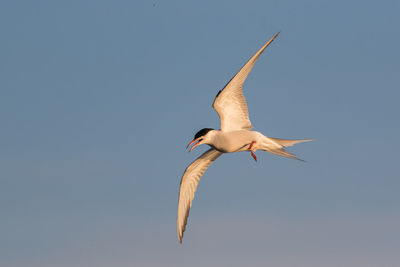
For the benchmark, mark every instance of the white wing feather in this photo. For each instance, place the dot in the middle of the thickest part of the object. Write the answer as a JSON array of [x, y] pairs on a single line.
[[230, 103], [189, 182]]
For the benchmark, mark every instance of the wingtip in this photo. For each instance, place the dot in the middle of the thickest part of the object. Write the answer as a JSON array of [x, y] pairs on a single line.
[[302, 160], [180, 235], [276, 35], [271, 40]]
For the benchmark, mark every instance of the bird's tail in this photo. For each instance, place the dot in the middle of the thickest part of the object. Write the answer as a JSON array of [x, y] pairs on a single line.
[[277, 146], [289, 142]]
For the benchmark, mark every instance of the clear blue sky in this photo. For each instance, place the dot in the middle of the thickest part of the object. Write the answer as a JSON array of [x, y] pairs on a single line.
[[98, 100]]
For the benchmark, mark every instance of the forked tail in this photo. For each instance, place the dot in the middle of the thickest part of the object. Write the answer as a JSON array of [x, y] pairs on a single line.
[[277, 146], [289, 142]]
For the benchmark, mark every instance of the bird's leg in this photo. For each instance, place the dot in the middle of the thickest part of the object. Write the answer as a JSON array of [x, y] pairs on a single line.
[[252, 153]]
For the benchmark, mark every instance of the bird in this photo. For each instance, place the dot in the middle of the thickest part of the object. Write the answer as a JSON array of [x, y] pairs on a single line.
[[234, 135]]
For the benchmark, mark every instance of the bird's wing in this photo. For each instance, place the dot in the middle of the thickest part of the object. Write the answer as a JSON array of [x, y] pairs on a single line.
[[189, 182], [230, 103]]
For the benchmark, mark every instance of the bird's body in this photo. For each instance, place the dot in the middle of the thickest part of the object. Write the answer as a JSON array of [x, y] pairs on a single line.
[[240, 140], [235, 135], [233, 141]]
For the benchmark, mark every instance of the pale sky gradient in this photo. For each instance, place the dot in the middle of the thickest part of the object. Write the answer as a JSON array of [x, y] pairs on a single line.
[[98, 100]]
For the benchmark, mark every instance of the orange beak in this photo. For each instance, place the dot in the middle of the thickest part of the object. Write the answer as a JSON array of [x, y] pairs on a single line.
[[198, 140]]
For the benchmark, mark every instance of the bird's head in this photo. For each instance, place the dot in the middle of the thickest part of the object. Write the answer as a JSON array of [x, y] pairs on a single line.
[[201, 137]]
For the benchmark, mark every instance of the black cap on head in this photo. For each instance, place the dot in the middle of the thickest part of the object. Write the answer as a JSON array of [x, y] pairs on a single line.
[[202, 132]]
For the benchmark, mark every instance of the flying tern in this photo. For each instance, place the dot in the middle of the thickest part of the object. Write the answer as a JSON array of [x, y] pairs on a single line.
[[235, 135]]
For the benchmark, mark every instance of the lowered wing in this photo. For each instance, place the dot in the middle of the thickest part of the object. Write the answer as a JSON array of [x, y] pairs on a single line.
[[189, 182]]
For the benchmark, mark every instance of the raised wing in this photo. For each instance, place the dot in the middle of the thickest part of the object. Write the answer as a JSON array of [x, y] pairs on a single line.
[[189, 182], [230, 103]]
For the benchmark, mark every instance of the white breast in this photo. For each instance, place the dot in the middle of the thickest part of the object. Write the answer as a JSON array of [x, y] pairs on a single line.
[[234, 141]]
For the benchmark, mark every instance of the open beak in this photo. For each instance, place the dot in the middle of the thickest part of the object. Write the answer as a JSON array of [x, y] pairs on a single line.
[[198, 140]]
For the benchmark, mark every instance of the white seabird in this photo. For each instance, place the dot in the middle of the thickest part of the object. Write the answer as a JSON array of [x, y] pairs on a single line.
[[235, 135]]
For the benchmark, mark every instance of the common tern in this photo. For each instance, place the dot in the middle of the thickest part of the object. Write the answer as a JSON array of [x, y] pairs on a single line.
[[235, 135]]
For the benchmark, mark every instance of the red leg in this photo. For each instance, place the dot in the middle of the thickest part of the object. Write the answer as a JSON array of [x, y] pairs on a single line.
[[251, 145], [252, 153]]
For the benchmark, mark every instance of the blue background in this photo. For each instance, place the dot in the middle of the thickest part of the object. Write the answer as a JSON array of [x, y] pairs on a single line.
[[98, 100]]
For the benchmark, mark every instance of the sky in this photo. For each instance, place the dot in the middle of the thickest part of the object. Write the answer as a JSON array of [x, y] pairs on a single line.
[[98, 100]]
